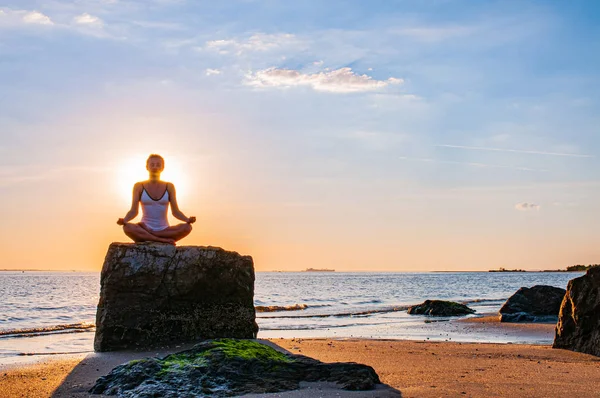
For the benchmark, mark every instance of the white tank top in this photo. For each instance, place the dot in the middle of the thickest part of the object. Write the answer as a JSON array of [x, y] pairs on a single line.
[[155, 211]]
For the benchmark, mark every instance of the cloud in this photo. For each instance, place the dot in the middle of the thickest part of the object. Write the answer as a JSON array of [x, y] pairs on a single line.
[[210, 72], [36, 17], [158, 25], [471, 164], [87, 19], [259, 42], [10, 17], [19, 174], [342, 80], [435, 34], [474, 148], [377, 140], [527, 206]]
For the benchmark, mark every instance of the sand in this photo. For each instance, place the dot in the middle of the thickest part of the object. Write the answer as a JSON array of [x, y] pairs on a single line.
[[37, 380], [415, 368], [448, 369]]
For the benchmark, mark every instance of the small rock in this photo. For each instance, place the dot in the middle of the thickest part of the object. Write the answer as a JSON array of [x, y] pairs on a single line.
[[440, 308]]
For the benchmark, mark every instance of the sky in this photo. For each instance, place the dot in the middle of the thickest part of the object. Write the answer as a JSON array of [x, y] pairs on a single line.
[[430, 135]]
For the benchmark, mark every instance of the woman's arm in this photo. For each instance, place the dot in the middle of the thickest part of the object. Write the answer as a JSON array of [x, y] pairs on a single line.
[[135, 204], [178, 214]]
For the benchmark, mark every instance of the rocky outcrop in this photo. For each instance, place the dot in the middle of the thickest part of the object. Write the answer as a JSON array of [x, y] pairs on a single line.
[[154, 294], [578, 327], [225, 368], [440, 308], [538, 303]]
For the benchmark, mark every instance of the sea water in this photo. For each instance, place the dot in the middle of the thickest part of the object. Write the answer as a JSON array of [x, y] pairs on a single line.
[[46, 313]]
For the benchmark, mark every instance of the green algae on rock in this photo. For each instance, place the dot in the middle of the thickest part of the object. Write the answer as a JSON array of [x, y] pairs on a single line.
[[228, 367], [440, 308]]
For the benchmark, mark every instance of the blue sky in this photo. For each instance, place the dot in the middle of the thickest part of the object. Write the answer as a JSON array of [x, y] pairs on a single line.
[[436, 134]]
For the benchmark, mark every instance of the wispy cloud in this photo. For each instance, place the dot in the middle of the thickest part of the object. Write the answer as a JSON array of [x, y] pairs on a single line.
[[472, 164], [158, 25], [475, 148], [210, 72], [434, 33], [527, 206], [259, 42], [376, 139], [18, 175], [342, 80]]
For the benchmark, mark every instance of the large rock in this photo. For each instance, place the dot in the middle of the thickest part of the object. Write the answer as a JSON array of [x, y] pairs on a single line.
[[440, 308], [538, 303], [578, 327], [154, 294], [225, 368]]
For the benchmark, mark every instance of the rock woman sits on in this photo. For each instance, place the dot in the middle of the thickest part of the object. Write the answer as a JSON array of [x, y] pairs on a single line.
[[155, 196]]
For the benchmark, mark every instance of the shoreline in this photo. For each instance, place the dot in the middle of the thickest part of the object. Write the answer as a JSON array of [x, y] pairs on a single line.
[[415, 368], [481, 328]]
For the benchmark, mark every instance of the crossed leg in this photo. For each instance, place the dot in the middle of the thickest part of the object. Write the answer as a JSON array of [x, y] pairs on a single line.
[[175, 232], [141, 233]]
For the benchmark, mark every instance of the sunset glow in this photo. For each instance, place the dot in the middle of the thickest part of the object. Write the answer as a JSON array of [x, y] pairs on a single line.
[[133, 170], [392, 136]]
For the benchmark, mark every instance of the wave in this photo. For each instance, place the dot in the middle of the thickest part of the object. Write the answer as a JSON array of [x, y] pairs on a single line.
[[344, 314], [27, 354], [273, 308], [41, 331], [474, 301], [294, 307], [315, 327], [374, 301]]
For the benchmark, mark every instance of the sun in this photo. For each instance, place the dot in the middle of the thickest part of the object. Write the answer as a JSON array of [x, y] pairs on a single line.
[[133, 169]]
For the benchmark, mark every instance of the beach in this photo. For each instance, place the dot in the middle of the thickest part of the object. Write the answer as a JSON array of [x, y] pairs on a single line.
[[415, 368], [46, 346]]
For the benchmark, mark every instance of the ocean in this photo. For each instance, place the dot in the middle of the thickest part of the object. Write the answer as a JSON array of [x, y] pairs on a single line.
[[49, 313]]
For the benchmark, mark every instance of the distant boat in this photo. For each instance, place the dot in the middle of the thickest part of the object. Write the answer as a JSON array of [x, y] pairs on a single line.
[[319, 270]]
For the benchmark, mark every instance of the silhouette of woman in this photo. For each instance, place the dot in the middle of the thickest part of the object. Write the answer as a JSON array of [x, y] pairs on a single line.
[[155, 196]]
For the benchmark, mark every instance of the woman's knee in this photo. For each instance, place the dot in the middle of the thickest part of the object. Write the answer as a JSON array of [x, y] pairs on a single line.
[[128, 228], [187, 228]]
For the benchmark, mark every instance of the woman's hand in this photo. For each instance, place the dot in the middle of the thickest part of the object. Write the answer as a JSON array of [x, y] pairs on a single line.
[[191, 220], [121, 221]]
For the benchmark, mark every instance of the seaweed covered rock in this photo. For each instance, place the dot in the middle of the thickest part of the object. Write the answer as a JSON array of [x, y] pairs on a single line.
[[153, 293], [225, 368], [440, 308], [578, 327], [538, 303]]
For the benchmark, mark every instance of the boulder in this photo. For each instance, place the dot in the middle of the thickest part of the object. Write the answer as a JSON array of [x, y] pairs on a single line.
[[538, 303], [440, 308], [578, 327], [225, 368], [153, 294]]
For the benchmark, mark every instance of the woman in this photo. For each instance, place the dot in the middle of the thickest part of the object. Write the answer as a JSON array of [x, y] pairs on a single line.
[[155, 196]]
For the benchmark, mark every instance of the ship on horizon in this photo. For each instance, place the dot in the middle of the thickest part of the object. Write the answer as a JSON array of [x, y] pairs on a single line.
[[319, 270]]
